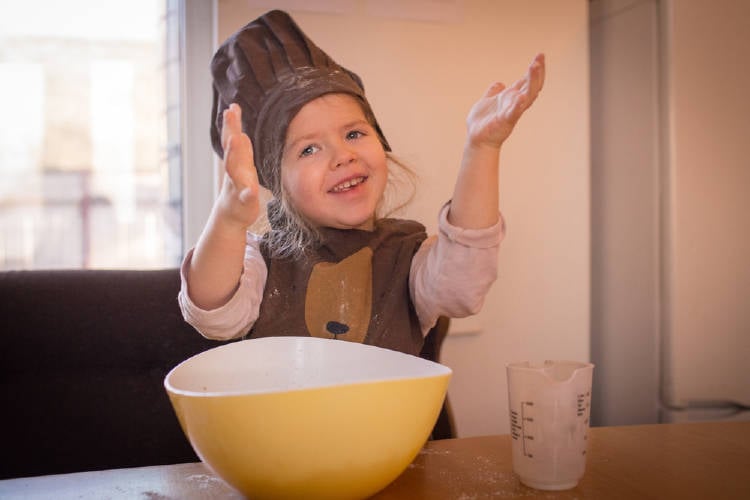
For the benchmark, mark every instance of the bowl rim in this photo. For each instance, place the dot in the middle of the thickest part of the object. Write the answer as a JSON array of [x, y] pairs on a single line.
[[441, 371]]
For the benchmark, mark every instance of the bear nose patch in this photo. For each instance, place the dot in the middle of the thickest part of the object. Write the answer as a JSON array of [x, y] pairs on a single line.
[[336, 328]]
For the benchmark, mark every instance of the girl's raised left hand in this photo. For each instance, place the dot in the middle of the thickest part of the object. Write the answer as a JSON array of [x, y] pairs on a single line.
[[492, 118]]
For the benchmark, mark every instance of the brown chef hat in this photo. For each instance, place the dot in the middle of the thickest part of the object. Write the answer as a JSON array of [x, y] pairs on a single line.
[[271, 69]]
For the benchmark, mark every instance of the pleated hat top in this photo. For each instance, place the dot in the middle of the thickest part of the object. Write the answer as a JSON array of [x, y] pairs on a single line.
[[272, 69]]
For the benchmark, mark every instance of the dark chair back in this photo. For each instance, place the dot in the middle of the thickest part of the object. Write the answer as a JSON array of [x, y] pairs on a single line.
[[433, 343], [82, 366]]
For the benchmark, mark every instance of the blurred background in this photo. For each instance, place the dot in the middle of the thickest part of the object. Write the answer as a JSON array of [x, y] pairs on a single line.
[[84, 135], [622, 188]]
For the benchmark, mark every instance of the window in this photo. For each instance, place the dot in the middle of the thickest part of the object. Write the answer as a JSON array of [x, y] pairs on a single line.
[[91, 116]]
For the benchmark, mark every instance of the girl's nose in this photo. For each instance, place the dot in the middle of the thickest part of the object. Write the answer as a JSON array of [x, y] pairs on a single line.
[[343, 155]]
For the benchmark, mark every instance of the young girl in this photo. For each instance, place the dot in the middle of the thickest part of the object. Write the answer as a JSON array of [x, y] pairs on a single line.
[[330, 266]]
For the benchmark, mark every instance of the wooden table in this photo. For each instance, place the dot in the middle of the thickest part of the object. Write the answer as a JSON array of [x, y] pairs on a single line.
[[684, 461]]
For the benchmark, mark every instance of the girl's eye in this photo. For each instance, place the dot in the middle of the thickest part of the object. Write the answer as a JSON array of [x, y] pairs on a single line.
[[354, 134], [308, 151]]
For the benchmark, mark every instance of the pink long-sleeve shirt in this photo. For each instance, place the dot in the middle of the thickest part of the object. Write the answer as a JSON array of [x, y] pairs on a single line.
[[450, 275]]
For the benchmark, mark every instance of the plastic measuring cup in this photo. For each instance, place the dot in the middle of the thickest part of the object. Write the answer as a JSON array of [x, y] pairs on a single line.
[[549, 405]]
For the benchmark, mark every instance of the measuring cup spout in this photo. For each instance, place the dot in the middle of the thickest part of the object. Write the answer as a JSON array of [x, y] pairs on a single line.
[[564, 371], [554, 371]]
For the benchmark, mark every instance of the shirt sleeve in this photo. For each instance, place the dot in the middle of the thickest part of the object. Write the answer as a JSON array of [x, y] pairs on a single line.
[[452, 271], [236, 317]]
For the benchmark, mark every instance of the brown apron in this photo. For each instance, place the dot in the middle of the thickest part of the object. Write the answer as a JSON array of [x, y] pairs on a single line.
[[354, 286]]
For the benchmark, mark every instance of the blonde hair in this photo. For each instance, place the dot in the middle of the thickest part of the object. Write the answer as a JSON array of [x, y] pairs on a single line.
[[288, 233]]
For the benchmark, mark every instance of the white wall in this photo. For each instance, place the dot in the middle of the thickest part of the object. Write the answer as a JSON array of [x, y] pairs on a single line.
[[421, 78]]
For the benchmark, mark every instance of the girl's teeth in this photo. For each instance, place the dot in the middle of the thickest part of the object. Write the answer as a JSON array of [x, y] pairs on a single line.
[[348, 184]]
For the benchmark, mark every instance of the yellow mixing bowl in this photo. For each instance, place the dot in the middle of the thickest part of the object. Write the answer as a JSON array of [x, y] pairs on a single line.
[[303, 417]]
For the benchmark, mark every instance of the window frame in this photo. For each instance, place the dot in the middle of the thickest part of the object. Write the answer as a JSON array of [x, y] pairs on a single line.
[[198, 39]]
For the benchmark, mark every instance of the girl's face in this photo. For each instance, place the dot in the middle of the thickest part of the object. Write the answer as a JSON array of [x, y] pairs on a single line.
[[334, 167]]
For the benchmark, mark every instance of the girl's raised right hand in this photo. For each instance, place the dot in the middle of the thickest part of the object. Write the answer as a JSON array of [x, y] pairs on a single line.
[[238, 200], [217, 262]]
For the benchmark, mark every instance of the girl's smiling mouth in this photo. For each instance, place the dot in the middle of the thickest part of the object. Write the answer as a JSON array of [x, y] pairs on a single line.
[[348, 184]]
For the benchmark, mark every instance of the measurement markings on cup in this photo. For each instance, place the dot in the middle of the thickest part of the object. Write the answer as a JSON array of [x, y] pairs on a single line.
[[582, 409], [582, 403], [515, 425], [524, 419]]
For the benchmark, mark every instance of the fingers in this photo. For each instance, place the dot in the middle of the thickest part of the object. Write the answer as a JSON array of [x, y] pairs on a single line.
[[530, 84], [231, 123], [519, 84], [239, 162], [527, 88], [536, 74], [246, 195], [238, 153], [494, 89]]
